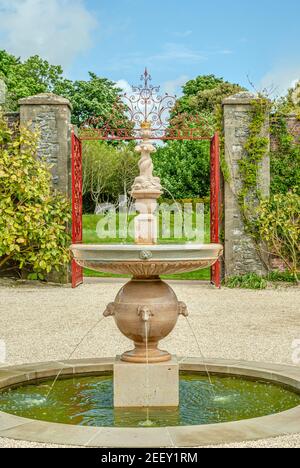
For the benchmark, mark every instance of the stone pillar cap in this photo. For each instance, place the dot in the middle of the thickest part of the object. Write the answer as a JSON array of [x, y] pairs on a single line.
[[240, 98], [49, 99]]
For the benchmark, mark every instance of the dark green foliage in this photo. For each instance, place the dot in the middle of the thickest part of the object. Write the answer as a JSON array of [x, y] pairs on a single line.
[[95, 97], [254, 281], [23, 79], [285, 159], [184, 168], [250, 281], [203, 95]]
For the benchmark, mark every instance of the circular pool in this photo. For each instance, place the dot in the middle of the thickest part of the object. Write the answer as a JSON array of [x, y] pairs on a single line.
[[88, 401]]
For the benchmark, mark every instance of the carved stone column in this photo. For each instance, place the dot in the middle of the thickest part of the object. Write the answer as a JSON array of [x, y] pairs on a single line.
[[146, 190]]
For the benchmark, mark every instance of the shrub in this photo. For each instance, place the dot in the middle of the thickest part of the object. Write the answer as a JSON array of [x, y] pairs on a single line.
[[278, 225], [285, 159], [33, 218], [250, 281], [254, 281]]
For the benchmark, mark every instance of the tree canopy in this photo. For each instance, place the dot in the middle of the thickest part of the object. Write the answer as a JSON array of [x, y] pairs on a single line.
[[95, 97], [203, 94], [184, 166], [23, 79]]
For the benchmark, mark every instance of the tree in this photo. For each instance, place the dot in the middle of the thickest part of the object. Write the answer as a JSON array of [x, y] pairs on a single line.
[[33, 218], [97, 99], [108, 171], [94, 98], [23, 79], [204, 94], [185, 166]]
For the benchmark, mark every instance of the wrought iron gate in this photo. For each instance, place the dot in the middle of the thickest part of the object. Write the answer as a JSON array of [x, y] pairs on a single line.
[[146, 105], [77, 271]]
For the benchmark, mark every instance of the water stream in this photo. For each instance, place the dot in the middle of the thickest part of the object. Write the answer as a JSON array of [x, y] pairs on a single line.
[[173, 199], [71, 355], [202, 354], [148, 422]]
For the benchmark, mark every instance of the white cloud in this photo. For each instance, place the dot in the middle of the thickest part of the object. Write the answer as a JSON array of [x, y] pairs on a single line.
[[57, 30], [172, 87], [280, 79], [173, 51], [124, 85]]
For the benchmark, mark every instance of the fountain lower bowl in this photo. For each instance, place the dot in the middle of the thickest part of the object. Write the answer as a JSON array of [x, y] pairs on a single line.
[[146, 260], [202, 434]]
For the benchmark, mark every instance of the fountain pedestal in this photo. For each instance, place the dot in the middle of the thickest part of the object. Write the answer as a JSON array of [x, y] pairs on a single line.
[[143, 385], [146, 311]]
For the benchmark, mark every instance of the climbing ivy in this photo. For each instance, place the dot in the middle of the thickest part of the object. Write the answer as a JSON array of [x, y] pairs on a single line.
[[220, 129], [256, 148], [273, 222]]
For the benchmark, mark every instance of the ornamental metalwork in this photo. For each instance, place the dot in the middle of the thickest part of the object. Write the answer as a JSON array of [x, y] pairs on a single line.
[[146, 105], [77, 271]]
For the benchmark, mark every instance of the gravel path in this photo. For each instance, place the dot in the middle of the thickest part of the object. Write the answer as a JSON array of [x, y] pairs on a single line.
[[42, 324]]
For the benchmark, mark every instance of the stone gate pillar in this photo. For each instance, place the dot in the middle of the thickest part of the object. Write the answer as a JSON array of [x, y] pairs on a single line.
[[241, 255], [51, 114], [3, 91]]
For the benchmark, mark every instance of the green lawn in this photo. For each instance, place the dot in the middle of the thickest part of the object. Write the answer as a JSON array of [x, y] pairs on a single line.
[[90, 237]]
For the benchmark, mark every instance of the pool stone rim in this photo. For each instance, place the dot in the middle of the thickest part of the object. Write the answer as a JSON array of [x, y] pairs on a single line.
[[280, 424]]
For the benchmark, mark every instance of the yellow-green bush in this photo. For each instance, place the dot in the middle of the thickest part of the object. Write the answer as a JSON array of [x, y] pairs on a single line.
[[33, 218], [278, 225]]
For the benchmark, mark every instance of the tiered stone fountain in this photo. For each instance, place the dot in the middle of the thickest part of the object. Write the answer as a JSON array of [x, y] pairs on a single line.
[[146, 309], [220, 409]]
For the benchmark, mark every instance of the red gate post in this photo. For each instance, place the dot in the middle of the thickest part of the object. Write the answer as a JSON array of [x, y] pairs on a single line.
[[215, 187], [77, 271]]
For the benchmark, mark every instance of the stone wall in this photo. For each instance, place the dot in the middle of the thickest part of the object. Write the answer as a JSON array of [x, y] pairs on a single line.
[[51, 116], [293, 124], [241, 255], [13, 120]]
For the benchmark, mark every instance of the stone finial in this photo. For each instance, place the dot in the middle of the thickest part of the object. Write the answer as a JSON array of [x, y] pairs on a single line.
[[240, 98], [46, 99], [3, 91]]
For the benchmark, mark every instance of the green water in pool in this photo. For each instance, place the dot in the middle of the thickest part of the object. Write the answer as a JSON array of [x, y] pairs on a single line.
[[88, 401]]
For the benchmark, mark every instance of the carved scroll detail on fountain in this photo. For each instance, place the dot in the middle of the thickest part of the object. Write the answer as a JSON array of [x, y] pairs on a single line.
[[147, 269]]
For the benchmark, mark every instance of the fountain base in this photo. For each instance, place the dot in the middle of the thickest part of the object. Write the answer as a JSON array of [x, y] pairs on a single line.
[[139, 354], [142, 385]]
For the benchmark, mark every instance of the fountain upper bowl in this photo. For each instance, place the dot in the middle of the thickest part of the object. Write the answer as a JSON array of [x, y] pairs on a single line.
[[146, 260]]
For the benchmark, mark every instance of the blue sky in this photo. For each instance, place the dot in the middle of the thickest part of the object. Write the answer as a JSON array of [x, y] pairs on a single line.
[[178, 40]]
